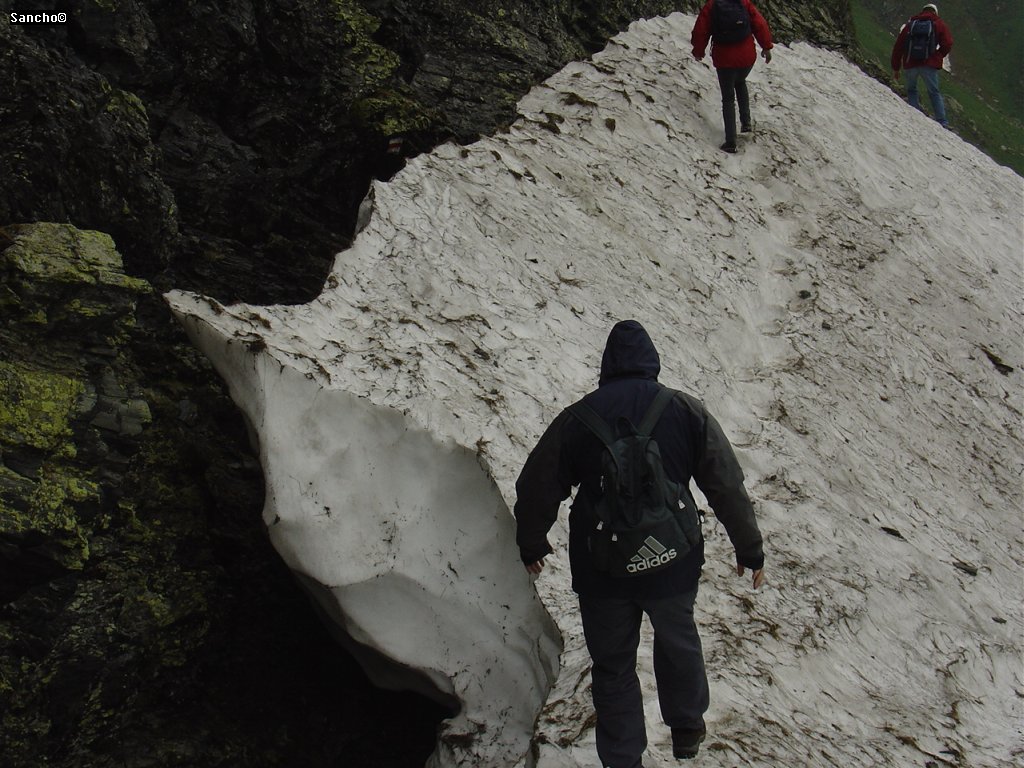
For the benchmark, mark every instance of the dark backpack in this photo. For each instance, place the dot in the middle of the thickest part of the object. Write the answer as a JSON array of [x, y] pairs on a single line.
[[730, 22], [644, 521], [920, 40]]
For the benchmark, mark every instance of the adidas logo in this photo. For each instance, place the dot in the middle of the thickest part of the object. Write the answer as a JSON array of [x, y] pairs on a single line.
[[651, 554]]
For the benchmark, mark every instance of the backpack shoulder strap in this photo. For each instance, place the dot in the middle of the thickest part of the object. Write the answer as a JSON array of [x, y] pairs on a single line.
[[592, 421], [650, 419]]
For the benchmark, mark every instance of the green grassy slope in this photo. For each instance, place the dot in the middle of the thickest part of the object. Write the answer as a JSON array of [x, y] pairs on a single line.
[[985, 91]]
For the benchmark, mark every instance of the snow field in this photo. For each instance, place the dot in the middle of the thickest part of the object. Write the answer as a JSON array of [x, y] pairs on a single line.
[[844, 294]]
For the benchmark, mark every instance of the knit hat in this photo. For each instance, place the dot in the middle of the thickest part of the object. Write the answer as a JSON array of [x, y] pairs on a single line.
[[931, 7]]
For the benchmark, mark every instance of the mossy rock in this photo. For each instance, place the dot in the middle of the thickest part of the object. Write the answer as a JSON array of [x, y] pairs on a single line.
[[41, 496], [57, 384], [61, 283], [36, 408], [60, 253]]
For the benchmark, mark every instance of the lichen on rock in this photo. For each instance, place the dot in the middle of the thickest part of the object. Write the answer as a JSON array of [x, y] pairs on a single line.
[[50, 486], [36, 408], [40, 485], [60, 253]]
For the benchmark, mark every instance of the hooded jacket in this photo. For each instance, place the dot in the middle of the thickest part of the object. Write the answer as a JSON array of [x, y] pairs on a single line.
[[692, 445], [730, 55], [943, 39]]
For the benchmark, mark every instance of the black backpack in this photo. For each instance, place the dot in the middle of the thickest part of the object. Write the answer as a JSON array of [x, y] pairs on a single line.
[[920, 40], [644, 521], [730, 22]]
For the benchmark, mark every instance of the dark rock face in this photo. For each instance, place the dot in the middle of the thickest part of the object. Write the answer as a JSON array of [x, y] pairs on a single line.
[[144, 618]]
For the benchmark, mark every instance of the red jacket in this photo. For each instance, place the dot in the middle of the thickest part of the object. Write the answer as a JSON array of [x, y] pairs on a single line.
[[942, 37], [730, 55]]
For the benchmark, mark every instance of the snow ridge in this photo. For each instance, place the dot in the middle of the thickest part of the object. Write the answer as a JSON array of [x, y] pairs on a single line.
[[844, 294]]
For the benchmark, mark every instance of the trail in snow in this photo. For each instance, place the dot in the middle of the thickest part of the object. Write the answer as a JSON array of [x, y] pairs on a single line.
[[845, 294]]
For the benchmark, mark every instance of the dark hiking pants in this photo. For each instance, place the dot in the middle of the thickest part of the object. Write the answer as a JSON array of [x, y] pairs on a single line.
[[733, 83], [612, 630]]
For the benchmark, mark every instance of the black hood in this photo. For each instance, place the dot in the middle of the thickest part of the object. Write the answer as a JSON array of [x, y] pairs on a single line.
[[629, 354]]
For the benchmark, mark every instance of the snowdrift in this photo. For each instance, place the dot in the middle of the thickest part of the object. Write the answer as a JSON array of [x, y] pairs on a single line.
[[844, 294]]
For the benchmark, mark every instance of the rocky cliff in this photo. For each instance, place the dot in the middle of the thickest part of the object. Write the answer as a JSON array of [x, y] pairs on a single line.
[[144, 620]]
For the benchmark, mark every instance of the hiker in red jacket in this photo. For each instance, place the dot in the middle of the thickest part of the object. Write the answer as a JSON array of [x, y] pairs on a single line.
[[922, 44], [732, 26]]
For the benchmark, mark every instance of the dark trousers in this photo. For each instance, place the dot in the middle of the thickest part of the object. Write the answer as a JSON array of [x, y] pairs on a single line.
[[612, 630], [733, 83]]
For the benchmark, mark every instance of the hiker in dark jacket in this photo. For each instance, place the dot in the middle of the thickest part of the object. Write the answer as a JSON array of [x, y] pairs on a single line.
[[733, 61], [692, 445], [928, 68]]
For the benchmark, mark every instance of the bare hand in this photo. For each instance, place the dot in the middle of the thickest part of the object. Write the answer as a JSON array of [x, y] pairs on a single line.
[[758, 575], [536, 568]]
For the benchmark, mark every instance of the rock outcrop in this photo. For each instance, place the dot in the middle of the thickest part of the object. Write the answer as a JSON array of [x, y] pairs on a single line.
[[67, 420]]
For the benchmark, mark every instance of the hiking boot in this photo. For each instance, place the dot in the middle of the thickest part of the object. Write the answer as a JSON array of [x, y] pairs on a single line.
[[686, 742], [746, 128], [729, 147]]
